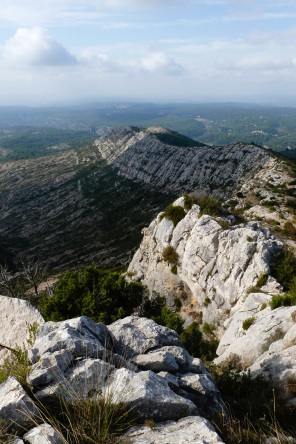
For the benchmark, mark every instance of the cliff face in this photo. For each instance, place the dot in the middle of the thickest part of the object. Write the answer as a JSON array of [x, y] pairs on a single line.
[[216, 264]]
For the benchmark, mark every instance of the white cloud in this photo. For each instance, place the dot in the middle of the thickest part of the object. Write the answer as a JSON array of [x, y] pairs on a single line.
[[160, 62], [35, 47]]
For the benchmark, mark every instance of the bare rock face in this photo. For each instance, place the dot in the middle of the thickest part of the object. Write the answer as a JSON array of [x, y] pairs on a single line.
[[266, 327], [43, 434], [215, 266], [16, 315]]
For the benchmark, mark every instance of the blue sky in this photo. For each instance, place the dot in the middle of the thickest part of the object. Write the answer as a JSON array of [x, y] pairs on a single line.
[[55, 51]]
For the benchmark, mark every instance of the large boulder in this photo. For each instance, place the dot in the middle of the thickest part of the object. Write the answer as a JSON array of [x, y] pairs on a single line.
[[16, 316], [134, 335]]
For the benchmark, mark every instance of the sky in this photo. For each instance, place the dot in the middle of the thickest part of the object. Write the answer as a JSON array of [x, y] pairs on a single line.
[[68, 51]]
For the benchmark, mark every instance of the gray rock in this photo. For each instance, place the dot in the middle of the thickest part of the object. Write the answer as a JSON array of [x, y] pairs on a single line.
[[16, 406], [148, 395], [43, 434], [80, 336], [85, 379], [50, 368], [134, 336], [157, 361], [16, 315], [190, 430]]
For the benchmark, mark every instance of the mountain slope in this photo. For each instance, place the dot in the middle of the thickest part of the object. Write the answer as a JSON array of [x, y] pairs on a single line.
[[91, 203]]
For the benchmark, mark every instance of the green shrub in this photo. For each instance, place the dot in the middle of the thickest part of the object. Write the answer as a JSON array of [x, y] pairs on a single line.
[[209, 205], [263, 306], [170, 255], [249, 239], [178, 303], [104, 297], [208, 328], [284, 267], [286, 300], [173, 213], [188, 201], [262, 280], [198, 347], [248, 322], [156, 309], [174, 269], [207, 301]]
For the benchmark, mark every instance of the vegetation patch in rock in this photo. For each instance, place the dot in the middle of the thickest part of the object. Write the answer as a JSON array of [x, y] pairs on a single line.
[[170, 255], [173, 213]]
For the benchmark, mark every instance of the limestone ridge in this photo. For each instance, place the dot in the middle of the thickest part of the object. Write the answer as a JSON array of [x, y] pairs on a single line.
[[73, 206], [215, 266], [140, 156]]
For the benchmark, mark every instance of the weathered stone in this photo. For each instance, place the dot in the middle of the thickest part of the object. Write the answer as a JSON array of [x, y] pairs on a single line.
[[268, 326], [213, 262], [50, 368], [80, 336], [157, 361], [148, 395], [86, 379], [190, 430], [16, 315], [134, 336], [16, 406], [43, 434]]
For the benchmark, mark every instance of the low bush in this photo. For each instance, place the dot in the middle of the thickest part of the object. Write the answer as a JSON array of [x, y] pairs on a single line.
[[173, 213], [209, 205], [104, 297], [188, 201], [284, 267], [248, 322], [286, 300], [174, 269], [262, 280], [178, 303], [197, 346], [275, 336], [170, 255]]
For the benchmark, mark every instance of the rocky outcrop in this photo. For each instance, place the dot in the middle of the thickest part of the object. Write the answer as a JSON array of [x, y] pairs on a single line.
[[217, 263], [77, 359], [16, 317]]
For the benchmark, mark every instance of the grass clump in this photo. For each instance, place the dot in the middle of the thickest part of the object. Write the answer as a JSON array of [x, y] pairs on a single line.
[[170, 255], [188, 201], [173, 213], [286, 300], [17, 364], [209, 205], [248, 322], [174, 269], [275, 336], [262, 280]]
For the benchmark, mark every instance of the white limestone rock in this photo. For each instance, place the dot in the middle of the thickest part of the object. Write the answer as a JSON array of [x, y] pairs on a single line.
[[16, 315], [43, 434], [268, 326], [190, 430], [148, 395], [213, 262], [134, 335], [80, 336]]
